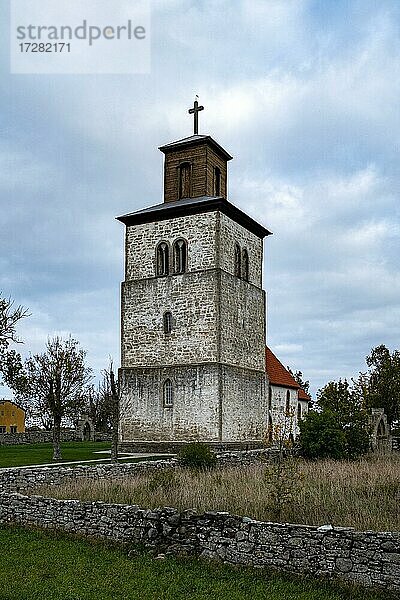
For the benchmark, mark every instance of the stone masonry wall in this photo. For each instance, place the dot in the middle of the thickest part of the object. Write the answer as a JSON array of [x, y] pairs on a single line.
[[244, 404], [231, 233], [191, 298], [366, 558], [278, 407], [218, 321], [44, 437], [195, 411], [242, 310], [142, 240]]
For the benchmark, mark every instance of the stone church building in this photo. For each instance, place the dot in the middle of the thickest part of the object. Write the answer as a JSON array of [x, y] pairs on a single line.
[[193, 309]]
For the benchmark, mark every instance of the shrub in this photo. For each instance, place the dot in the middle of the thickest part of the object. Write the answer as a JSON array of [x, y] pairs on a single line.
[[197, 456], [325, 435], [322, 436], [357, 440]]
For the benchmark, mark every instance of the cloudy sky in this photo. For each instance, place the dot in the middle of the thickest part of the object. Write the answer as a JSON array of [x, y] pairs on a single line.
[[304, 94]]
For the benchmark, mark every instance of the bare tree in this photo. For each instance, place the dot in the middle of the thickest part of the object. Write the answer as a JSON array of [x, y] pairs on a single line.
[[54, 382], [111, 391], [10, 360], [9, 317], [282, 473], [97, 406]]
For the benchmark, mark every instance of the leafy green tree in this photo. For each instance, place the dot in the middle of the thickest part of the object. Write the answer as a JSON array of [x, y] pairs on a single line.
[[384, 381], [53, 381], [322, 435], [298, 376], [346, 400]]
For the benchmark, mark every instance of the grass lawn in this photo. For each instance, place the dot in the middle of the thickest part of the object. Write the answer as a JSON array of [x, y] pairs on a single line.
[[37, 454], [39, 565]]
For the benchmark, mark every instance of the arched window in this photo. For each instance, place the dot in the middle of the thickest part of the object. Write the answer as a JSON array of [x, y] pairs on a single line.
[[167, 322], [270, 431], [237, 260], [163, 259], [168, 399], [185, 180], [381, 431], [245, 265], [180, 256], [299, 412], [287, 402], [217, 181]]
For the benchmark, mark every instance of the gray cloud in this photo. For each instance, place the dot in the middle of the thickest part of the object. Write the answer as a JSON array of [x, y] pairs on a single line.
[[304, 94]]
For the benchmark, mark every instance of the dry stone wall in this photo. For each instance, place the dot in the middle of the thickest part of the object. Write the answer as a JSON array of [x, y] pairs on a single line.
[[44, 437], [366, 558]]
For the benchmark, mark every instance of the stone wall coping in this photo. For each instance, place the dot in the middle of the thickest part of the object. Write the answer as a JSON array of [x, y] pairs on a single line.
[[211, 514]]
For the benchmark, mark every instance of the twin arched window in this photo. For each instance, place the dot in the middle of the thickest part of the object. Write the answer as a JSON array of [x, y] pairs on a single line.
[[241, 263], [163, 266], [168, 397]]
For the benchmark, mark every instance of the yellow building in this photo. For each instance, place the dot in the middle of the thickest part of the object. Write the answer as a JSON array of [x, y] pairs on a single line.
[[12, 417]]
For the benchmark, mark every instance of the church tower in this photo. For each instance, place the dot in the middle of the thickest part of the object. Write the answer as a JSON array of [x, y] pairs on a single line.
[[193, 309]]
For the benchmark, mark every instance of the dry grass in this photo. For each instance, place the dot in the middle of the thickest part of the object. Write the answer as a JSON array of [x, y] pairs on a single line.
[[364, 494]]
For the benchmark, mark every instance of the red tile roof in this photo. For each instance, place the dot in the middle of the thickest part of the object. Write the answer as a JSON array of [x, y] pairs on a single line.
[[277, 374], [303, 395]]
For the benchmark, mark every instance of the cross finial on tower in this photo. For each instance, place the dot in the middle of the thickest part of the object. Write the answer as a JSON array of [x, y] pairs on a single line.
[[195, 112]]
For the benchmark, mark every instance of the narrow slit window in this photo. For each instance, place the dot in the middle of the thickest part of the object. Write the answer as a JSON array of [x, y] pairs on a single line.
[[270, 433], [245, 265], [237, 260], [299, 412], [168, 399], [185, 180], [287, 402], [167, 322], [217, 181]]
